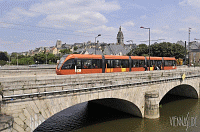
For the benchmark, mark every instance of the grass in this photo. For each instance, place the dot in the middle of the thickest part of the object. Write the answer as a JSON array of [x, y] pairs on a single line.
[[162, 74], [149, 77], [1, 89]]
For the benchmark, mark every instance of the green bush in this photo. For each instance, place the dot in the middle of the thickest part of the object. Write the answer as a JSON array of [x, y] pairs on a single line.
[[2, 62]]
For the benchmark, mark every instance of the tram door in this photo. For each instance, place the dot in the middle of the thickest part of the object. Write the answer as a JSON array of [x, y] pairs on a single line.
[[109, 66], [78, 69]]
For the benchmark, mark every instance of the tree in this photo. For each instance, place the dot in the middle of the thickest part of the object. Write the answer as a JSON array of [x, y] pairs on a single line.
[[140, 50], [75, 47], [51, 58], [40, 58], [14, 55], [167, 49], [65, 51], [3, 56], [164, 49], [179, 51]]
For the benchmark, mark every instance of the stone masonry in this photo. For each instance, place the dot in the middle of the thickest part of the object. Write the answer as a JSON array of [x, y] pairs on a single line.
[[29, 101]]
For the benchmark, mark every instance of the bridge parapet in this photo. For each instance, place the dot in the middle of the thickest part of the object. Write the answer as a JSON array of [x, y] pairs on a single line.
[[38, 91], [39, 84]]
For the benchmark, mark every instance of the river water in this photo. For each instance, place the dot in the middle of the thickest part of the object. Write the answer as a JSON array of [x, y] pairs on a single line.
[[176, 114]]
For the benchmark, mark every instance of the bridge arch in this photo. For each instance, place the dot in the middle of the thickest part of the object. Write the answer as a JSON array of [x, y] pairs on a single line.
[[184, 90], [120, 104], [73, 113]]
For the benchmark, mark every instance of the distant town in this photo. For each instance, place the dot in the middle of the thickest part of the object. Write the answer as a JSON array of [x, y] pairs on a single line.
[[89, 47], [101, 48]]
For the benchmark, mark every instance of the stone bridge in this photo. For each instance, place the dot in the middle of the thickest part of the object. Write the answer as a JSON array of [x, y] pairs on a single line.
[[29, 101]]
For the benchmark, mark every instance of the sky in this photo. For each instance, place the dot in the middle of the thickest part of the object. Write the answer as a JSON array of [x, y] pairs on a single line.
[[28, 24]]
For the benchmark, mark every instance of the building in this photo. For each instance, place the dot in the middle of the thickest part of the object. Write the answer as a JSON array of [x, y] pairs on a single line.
[[119, 48], [195, 53], [180, 42], [195, 56], [130, 46], [120, 37], [113, 49], [78, 45], [54, 50], [58, 44], [88, 51]]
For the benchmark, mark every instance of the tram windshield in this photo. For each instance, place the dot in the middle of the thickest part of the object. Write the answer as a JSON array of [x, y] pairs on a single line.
[[61, 61]]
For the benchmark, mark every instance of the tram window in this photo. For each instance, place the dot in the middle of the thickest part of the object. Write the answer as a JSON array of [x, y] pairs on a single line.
[[152, 63], [61, 61], [141, 63], [99, 63], [159, 63], [110, 63], [174, 63], [86, 64], [147, 63], [96, 63], [78, 64], [166, 63], [117, 63], [169, 63], [135, 63], [124, 64], [70, 64]]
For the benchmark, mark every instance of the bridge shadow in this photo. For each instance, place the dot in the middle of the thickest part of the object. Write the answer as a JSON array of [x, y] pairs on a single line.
[[85, 114], [180, 92], [181, 99]]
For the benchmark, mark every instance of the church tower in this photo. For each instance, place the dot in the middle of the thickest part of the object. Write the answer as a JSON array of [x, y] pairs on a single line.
[[120, 37], [58, 43]]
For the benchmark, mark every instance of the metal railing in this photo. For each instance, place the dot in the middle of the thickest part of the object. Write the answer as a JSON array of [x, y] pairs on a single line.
[[81, 90]]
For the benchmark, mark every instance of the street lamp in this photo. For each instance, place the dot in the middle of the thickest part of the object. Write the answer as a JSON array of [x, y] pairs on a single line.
[[46, 59], [95, 42], [161, 39], [189, 45], [17, 60], [9, 60], [149, 44], [196, 39], [130, 41]]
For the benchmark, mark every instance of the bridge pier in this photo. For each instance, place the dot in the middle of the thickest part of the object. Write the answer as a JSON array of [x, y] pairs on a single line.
[[151, 109], [6, 121]]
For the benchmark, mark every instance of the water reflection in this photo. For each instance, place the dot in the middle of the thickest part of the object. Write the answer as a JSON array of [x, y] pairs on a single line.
[[96, 118]]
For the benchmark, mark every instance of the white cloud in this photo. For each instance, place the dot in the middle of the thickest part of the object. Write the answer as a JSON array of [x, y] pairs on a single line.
[[74, 13], [183, 29], [69, 6], [195, 3], [23, 45], [64, 13], [108, 34], [186, 29], [129, 24], [17, 15], [139, 6], [102, 28], [143, 17], [82, 20], [166, 27], [157, 31], [192, 19]]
